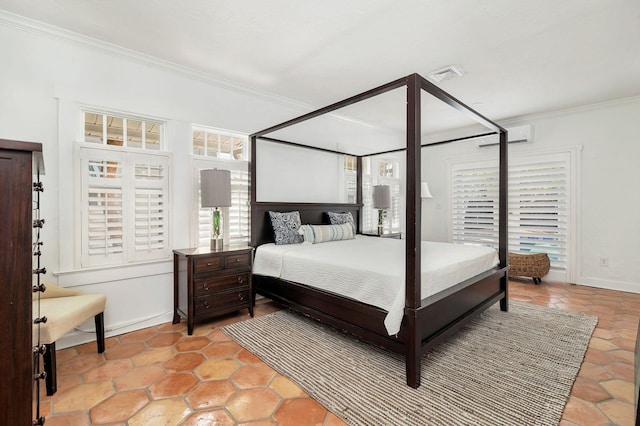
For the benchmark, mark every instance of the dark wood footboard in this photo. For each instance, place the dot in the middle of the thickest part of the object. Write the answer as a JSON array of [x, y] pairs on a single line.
[[438, 317]]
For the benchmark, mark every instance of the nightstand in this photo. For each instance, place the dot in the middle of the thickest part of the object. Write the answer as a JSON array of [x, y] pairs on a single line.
[[209, 283], [396, 235]]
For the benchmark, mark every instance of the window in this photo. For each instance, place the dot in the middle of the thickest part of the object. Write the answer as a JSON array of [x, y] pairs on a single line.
[[108, 129], [124, 191], [219, 144], [539, 205], [350, 178], [214, 148], [387, 174]]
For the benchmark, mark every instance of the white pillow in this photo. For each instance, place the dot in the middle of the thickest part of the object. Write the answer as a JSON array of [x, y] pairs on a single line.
[[322, 233]]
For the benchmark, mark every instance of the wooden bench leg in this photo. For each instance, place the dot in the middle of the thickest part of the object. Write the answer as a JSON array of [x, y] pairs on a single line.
[[49, 359], [99, 320]]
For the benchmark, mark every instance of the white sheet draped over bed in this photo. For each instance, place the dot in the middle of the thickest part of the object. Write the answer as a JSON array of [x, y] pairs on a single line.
[[371, 269]]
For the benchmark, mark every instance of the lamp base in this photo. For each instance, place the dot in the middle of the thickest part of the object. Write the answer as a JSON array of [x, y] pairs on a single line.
[[380, 230], [216, 244]]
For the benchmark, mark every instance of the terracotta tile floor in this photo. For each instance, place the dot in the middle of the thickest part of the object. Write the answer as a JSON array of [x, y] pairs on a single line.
[[162, 376]]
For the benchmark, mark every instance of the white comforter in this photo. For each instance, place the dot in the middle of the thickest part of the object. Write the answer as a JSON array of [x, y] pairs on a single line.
[[371, 269]]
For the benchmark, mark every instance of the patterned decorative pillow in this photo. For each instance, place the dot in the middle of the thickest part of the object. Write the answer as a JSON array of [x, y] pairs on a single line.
[[285, 227], [315, 234], [336, 218]]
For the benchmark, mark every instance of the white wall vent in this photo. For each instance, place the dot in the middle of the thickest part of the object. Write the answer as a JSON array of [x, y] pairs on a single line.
[[516, 135]]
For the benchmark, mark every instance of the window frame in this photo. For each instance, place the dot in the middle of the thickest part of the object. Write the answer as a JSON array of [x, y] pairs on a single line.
[[571, 157], [129, 158], [200, 162]]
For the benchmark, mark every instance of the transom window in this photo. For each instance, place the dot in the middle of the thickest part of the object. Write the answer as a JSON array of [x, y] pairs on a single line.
[[128, 132], [219, 144]]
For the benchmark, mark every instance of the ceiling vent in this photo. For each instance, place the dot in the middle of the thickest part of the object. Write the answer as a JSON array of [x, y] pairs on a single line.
[[446, 73]]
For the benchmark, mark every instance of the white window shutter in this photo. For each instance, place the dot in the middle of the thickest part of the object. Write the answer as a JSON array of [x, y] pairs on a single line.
[[151, 209], [125, 207], [474, 210], [102, 205], [238, 213], [538, 209], [392, 219], [236, 218], [369, 220]]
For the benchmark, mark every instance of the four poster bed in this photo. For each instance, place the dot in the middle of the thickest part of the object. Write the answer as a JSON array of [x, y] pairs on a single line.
[[425, 318]]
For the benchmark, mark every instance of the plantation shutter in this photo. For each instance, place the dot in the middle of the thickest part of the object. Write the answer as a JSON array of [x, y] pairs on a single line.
[[236, 220], [238, 215], [474, 210], [102, 208], [538, 207], [369, 221], [350, 186], [392, 219], [124, 206], [151, 216]]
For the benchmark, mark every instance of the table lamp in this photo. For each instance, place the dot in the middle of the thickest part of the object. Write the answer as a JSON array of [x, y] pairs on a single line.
[[215, 192], [381, 201]]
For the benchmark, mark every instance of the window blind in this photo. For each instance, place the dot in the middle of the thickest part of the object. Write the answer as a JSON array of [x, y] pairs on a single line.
[[538, 207], [125, 210], [236, 219]]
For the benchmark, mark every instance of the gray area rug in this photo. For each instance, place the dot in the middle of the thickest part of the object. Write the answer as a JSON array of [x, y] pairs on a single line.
[[504, 368]]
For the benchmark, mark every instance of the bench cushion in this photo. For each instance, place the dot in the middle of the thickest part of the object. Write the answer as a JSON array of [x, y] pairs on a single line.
[[65, 313]]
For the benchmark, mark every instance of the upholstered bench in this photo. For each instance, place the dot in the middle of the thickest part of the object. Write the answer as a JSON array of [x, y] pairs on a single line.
[[65, 309], [532, 265]]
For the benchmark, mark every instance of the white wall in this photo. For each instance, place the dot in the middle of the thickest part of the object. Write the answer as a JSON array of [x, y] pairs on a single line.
[[44, 79], [608, 196]]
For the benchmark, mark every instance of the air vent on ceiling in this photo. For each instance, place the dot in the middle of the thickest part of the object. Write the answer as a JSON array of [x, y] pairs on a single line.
[[446, 73]]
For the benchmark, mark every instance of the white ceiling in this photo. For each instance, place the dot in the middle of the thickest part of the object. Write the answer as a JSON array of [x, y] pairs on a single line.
[[521, 57]]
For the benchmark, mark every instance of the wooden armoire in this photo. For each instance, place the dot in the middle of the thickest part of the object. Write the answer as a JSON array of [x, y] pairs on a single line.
[[19, 162]]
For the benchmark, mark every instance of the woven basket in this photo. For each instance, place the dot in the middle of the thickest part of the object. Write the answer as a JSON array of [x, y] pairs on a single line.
[[534, 265]]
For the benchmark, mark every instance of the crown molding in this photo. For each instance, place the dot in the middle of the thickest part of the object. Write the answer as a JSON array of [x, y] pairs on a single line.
[[45, 30], [566, 111]]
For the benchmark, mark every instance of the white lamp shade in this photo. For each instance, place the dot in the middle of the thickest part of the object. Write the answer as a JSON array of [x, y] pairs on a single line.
[[424, 190], [215, 188], [381, 197]]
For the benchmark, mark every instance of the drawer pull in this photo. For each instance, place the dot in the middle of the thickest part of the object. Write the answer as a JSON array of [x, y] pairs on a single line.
[[206, 305], [240, 280], [240, 296], [205, 286], [208, 263], [237, 260]]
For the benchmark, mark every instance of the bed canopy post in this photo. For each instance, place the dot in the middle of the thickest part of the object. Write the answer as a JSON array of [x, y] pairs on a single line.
[[413, 297], [359, 189], [503, 225]]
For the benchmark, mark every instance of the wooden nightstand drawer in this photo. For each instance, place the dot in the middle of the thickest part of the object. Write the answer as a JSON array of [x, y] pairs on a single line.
[[206, 264], [230, 301], [206, 285], [237, 260]]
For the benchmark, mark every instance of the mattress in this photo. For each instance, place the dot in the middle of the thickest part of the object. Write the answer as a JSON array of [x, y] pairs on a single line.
[[372, 270]]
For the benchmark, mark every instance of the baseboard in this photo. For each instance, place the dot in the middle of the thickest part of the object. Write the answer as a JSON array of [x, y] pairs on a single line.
[[78, 337], [609, 284]]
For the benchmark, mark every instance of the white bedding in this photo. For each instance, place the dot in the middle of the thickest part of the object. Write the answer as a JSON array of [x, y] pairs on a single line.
[[371, 269]]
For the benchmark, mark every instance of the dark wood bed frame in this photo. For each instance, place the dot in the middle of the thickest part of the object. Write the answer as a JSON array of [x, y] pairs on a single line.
[[426, 321]]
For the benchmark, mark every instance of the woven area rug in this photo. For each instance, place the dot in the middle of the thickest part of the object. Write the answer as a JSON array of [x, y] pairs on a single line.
[[504, 368]]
